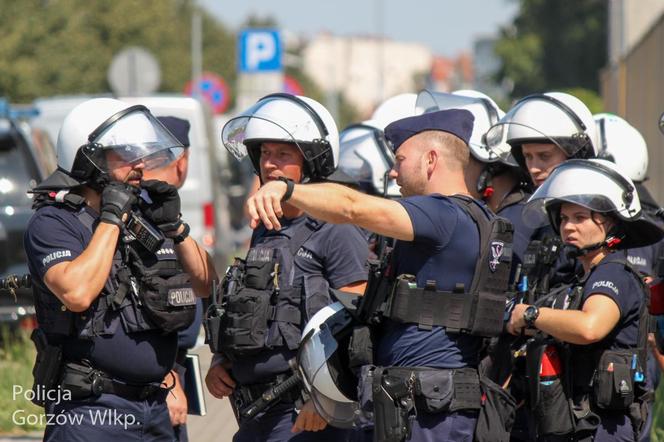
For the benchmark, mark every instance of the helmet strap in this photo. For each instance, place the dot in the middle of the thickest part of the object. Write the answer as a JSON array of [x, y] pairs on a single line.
[[611, 242]]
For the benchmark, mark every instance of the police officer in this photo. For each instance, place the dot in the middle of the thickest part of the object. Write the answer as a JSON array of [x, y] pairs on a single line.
[[495, 179], [175, 174], [622, 144], [103, 295], [438, 249], [600, 335], [288, 139]]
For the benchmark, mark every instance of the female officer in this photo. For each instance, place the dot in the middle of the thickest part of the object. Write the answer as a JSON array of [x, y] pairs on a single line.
[[598, 330]]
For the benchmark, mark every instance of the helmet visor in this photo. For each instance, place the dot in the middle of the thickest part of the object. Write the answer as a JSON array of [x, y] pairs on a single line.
[[134, 137], [368, 159], [250, 127], [336, 413], [485, 113], [582, 182], [316, 348], [519, 126]]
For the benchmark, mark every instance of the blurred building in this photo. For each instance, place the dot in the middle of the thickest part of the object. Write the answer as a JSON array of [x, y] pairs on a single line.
[[632, 84], [365, 69]]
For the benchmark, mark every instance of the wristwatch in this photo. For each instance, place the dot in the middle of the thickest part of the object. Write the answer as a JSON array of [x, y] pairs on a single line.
[[530, 315]]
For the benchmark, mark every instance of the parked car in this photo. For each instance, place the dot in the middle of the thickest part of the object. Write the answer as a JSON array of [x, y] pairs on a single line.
[[22, 166]]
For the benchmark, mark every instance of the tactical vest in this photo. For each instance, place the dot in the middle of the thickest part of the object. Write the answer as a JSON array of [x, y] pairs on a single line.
[[143, 292], [478, 309], [264, 306], [593, 379]]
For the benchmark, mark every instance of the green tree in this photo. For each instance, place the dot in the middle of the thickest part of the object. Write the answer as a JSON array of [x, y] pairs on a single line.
[[66, 46], [552, 45]]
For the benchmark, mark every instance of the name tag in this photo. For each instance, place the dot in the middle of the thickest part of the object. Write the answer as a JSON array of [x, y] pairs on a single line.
[[181, 296]]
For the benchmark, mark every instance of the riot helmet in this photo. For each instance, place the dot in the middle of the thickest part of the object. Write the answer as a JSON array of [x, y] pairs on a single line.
[[599, 186], [486, 113], [366, 156], [551, 118], [286, 118], [103, 132], [393, 109], [622, 144], [322, 362]]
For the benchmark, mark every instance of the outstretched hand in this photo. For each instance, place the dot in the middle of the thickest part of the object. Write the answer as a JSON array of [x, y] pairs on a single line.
[[265, 205]]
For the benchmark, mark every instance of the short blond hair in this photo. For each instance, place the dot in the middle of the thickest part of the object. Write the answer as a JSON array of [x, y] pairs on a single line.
[[452, 148]]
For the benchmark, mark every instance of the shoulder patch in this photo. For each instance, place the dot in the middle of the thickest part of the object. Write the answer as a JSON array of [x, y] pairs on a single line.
[[606, 284], [56, 255], [497, 248]]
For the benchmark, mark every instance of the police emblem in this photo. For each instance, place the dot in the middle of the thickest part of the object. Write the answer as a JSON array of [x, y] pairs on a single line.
[[497, 248]]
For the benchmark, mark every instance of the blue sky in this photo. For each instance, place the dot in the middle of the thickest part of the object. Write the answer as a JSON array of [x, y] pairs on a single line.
[[446, 26]]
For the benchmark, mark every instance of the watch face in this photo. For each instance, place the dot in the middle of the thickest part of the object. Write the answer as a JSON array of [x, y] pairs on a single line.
[[530, 314]]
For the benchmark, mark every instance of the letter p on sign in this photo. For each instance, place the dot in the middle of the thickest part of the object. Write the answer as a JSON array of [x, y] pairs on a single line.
[[260, 50]]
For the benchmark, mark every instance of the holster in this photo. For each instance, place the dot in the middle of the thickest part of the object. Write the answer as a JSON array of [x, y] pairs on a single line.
[[47, 368], [394, 406]]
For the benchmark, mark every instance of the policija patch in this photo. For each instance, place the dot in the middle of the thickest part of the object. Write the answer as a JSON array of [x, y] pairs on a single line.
[[497, 248]]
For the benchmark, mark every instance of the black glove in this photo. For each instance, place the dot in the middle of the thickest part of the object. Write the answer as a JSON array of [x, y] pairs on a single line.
[[164, 210], [116, 201]]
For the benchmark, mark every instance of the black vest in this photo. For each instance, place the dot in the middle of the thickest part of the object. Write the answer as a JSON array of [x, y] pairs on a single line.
[[143, 292]]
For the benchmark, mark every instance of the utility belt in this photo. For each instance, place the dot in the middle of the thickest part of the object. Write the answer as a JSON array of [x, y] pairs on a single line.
[[244, 396], [480, 313], [84, 381], [399, 393]]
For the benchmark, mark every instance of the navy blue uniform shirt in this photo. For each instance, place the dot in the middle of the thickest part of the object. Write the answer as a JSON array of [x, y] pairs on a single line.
[[55, 235], [611, 279], [338, 252], [446, 248]]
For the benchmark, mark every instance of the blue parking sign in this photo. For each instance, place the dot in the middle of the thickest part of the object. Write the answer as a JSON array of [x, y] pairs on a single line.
[[260, 50]]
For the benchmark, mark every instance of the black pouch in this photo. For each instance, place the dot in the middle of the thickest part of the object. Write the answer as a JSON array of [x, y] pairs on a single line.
[[435, 391], [81, 381], [244, 324], [259, 269], [549, 400], [46, 371], [614, 380], [360, 347], [466, 385], [169, 303], [552, 412], [496, 417]]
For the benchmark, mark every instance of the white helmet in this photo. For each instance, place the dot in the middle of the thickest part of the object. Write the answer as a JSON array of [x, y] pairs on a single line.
[[597, 185], [289, 119], [621, 143], [366, 156], [327, 379], [484, 109], [100, 125], [393, 109], [554, 117]]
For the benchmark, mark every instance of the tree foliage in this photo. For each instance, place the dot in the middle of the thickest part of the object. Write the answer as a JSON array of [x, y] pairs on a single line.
[[54, 47], [552, 45]]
